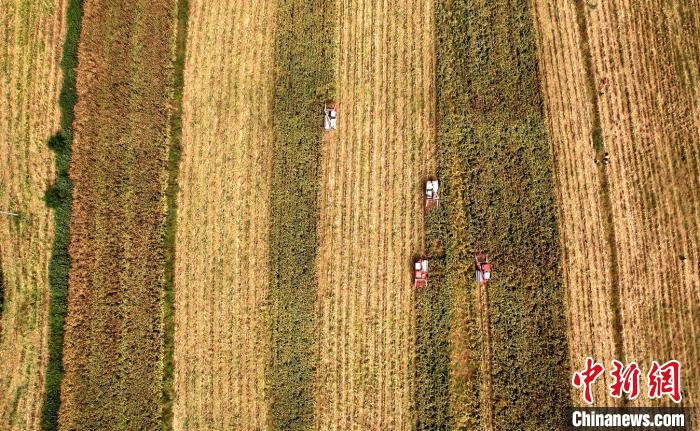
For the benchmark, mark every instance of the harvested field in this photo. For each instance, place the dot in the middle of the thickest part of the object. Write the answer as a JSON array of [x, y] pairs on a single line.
[[222, 317], [626, 225], [113, 352], [371, 214], [586, 250], [30, 55]]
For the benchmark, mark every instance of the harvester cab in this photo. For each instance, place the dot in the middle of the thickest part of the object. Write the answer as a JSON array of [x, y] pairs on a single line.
[[483, 268], [432, 198], [420, 273], [329, 116]]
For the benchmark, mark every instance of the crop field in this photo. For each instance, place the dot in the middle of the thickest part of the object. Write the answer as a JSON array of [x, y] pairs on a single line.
[[30, 55], [222, 322], [371, 214], [113, 352], [509, 350], [304, 60], [184, 247], [630, 228]]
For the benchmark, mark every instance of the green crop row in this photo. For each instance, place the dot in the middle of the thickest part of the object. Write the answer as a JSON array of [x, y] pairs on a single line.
[[432, 402], [171, 215], [495, 157], [304, 75], [58, 197]]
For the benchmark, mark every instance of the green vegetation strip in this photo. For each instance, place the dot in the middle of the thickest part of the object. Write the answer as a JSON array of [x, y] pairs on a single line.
[[432, 333], [493, 145], [58, 197], [171, 216], [304, 75]]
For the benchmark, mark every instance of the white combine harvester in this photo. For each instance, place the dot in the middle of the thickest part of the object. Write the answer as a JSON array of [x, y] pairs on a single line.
[[329, 116], [432, 198]]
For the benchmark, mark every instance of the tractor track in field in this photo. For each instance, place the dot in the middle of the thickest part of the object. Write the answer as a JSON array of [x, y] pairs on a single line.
[[486, 401]]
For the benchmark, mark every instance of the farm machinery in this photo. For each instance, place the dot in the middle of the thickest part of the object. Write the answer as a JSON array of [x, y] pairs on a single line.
[[329, 116], [483, 268], [420, 273], [432, 199], [420, 266]]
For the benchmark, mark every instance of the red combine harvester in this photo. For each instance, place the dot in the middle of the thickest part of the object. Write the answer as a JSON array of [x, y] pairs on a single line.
[[420, 276], [483, 268], [432, 199]]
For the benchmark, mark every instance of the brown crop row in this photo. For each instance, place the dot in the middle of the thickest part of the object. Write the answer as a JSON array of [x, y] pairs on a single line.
[[113, 334]]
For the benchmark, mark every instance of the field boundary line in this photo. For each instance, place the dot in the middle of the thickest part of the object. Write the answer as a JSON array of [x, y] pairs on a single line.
[[170, 228]]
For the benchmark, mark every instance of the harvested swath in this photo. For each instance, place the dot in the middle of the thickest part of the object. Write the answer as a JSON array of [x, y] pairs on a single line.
[[222, 323], [498, 172], [371, 217], [649, 113], [570, 101], [30, 53], [651, 132], [113, 337], [643, 75]]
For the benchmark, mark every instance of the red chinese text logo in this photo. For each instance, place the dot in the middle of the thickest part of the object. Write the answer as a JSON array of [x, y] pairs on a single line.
[[626, 380], [662, 380], [585, 378], [665, 380]]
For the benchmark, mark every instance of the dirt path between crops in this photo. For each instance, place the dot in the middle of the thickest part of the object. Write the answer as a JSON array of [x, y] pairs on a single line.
[[222, 344], [371, 223], [30, 55]]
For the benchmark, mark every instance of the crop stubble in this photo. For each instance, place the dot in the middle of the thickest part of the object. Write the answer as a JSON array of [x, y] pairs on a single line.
[[586, 264], [32, 38], [371, 214], [113, 348], [649, 117], [652, 134], [222, 345]]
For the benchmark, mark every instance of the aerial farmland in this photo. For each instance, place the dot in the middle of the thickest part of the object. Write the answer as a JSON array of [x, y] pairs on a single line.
[[338, 215]]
